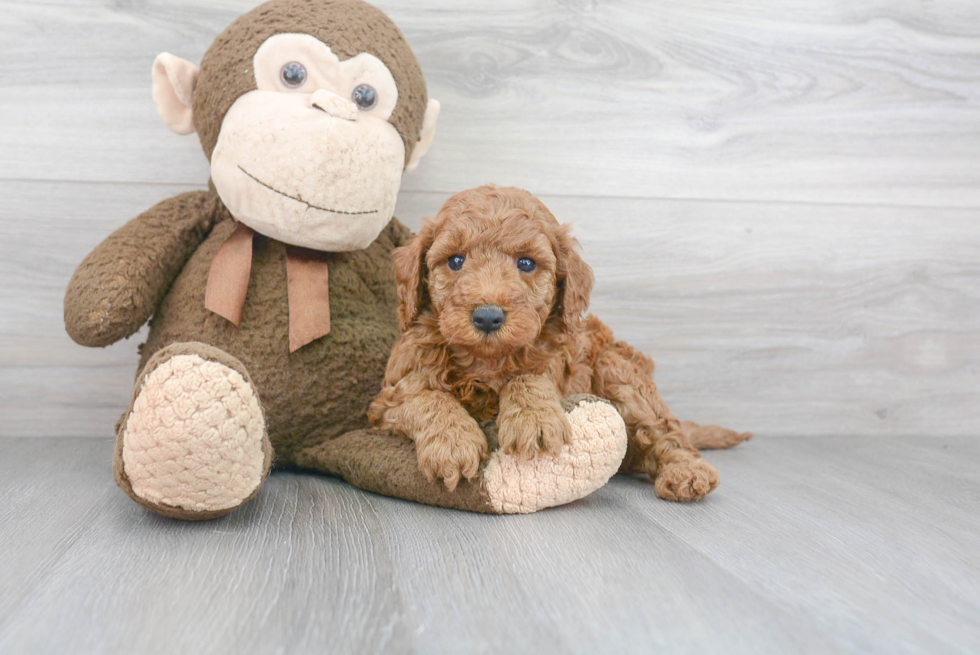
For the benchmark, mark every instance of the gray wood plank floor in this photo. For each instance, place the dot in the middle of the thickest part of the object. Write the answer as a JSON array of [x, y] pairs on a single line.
[[857, 545]]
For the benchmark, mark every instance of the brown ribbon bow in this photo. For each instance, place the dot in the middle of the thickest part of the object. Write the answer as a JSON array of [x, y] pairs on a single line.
[[307, 283]]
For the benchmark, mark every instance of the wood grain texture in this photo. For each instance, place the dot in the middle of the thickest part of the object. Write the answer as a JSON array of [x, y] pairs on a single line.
[[841, 309], [875, 101], [779, 318], [854, 545]]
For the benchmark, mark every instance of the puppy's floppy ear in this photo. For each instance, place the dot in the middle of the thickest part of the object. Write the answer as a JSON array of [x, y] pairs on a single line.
[[410, 274], [575, 280]]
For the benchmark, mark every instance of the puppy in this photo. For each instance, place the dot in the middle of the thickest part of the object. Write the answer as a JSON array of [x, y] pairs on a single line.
[[492, 295]]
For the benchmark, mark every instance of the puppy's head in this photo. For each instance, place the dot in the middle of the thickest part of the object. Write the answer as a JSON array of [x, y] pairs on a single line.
[[493, 268]]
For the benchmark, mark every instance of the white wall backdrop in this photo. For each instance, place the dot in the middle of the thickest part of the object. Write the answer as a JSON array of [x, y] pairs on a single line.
[[781, 200]]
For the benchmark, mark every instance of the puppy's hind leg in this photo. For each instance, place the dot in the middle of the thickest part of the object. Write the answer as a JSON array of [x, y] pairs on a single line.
[[658, 445]]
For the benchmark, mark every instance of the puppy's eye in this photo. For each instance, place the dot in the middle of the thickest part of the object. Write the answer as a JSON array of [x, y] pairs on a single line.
[[455, 262], [526, 264], [293, 75]]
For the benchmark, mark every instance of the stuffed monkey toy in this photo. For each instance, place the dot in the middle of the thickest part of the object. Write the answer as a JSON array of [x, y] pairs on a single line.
[[271, 296]]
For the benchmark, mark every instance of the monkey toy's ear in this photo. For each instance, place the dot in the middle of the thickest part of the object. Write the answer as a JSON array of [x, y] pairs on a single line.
[[425, 137], [173, 89]]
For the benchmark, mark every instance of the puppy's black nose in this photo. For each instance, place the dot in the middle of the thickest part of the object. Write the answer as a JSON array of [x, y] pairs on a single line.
[[487, 318]]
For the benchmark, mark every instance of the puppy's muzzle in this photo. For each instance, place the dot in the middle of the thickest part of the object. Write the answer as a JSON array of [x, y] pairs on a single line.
[[488, 318]]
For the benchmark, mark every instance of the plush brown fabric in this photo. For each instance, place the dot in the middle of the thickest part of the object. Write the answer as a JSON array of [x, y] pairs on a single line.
[[386, 464], [157, 265], [322, 390], [119, 285], [349, 27], [312, 397]]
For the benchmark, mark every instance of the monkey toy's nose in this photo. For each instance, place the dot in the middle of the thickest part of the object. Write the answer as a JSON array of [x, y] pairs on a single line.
[[332, 104], [487, 318]]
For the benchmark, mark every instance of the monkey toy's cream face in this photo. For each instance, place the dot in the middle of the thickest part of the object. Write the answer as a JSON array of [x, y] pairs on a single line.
[[309, 157]]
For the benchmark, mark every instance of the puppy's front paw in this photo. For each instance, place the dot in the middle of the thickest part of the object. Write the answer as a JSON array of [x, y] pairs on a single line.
[[451, 454], [689, 479], [528, 430]]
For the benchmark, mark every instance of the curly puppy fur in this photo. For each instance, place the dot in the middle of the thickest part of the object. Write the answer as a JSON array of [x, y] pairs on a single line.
[[445, 375]]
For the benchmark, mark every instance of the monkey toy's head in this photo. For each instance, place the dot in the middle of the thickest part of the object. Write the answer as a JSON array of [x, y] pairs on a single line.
[[309, 111]]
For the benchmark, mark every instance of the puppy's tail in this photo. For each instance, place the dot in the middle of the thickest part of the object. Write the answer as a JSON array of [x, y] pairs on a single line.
[[712, 437]]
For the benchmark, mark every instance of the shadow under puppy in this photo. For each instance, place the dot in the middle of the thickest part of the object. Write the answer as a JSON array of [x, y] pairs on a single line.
[[492, 299]]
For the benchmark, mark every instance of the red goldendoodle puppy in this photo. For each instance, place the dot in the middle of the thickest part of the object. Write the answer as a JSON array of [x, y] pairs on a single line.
[[492, 297]]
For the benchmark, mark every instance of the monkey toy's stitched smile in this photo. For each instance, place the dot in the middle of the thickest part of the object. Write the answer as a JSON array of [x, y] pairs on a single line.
[[323, 209]]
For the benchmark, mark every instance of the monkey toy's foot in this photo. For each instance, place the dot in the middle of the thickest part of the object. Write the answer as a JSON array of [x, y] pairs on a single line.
[[192, 444], [510, 484], [516, 485]]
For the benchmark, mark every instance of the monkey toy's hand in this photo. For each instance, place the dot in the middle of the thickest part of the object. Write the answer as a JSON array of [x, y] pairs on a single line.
[[120, 284]]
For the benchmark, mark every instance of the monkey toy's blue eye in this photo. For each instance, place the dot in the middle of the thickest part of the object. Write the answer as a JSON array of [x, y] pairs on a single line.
[[365, 97], [293, 75], [455, 262], [526, 264]]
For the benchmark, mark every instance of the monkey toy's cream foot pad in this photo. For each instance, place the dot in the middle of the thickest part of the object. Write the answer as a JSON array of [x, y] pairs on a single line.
[[598, 445], [193, 444]]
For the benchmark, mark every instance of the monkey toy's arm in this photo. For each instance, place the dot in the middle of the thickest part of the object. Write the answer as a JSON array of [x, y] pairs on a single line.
[[119, 285]]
